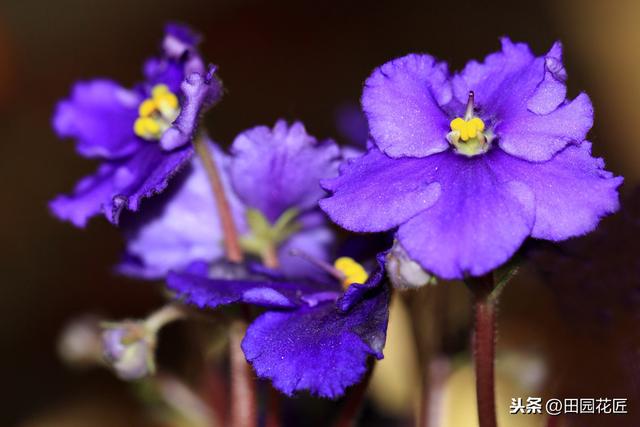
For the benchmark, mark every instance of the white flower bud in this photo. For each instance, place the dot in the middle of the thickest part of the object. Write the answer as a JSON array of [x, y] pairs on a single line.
[[404, 272]]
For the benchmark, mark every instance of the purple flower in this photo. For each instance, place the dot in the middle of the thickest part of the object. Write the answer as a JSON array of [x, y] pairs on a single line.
[[274, 170], [276, 173], [262, 177], [314, 336], [468, 166], [141, 135]]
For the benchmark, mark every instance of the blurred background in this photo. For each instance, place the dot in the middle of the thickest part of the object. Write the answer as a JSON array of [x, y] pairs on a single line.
[[291, 59]]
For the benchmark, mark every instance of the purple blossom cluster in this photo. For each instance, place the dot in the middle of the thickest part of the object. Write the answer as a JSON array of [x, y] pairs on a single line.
[[461, 168]]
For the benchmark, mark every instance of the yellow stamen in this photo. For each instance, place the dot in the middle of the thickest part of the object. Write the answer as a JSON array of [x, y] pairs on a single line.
[[147, 127], [167, 103], [467, 129], [159, 90], [147, 108], [156, 113], [352, 270]]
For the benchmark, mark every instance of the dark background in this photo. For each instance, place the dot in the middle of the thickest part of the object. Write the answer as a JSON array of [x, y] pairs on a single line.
[[297, 60]]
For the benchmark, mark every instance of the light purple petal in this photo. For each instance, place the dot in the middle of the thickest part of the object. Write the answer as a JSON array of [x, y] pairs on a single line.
[[178, 40], [179, 59], [182, 225], [572, 191], [314, 241], [163, 71], [100, 116], [402, 100], [88, 198], [148, 173], [538, 137], [376, 192], [212, 292], [121, 184], [277, 169], [320, 349], [502, 83], [357, 291], [522, 99], [551, 91], [480, 220], [199, 92]]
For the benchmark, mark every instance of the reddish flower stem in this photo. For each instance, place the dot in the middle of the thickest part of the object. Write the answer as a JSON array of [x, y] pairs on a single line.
[[270, 257], [243, 387], [484, 342], [229, 230], [273, 415], [353, 402]]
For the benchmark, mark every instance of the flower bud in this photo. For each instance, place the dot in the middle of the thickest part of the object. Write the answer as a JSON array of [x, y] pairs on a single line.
[[404, 272], [129, 348]]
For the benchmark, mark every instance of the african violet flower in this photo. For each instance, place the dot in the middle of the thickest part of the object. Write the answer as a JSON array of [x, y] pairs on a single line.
[[272, 204], [141, 135], [468, 166], [315, 336]]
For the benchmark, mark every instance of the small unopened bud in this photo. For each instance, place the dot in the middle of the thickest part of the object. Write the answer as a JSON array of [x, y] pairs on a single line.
[[79, 344], [404, 272], [129, 348]]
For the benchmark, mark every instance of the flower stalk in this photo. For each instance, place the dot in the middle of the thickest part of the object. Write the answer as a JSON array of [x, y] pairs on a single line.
[[353, 402], [165, 315], [243, 387], [230, 232], [273, 417], [270, 257], [184, 402], [484, 343]]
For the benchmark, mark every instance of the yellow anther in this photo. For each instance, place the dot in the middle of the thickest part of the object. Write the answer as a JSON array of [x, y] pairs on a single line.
[[457, 124], [147, 127], [147, 108], [477, 123], [159, 90], [467, 129], [352, 270], [167, 104], [156, 113]]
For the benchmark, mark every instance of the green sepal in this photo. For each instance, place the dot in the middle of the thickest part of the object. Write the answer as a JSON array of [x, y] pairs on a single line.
[[263, 235]]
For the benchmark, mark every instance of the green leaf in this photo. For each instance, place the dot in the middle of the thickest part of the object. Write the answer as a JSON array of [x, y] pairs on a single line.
[[503, 276]]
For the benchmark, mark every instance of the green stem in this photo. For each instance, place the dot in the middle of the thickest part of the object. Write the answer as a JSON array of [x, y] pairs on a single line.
[[165, 315], [185, 402]]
